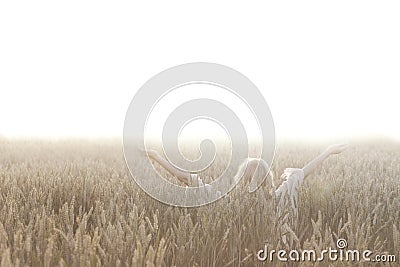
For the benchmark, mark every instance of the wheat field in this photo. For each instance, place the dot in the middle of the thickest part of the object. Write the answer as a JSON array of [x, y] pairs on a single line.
[[74, 203]]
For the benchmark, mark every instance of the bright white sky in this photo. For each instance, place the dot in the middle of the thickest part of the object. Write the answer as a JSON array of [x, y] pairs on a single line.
[[327, 69]]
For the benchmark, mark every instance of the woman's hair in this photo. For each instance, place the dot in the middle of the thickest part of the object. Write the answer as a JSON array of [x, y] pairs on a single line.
[[255, 173]]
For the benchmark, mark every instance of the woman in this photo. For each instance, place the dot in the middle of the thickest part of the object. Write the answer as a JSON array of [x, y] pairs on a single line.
[[255, 171]]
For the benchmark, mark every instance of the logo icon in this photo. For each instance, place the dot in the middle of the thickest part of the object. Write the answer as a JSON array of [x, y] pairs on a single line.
[[134, 138]]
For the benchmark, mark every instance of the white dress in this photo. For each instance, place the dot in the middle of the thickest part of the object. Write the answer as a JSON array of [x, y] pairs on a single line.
[[287, 192]]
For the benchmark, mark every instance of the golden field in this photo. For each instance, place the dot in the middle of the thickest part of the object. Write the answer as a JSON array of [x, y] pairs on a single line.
[[74, 203]]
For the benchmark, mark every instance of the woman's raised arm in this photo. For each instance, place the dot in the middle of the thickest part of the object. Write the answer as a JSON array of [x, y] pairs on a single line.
[[312, 165], [181, 175]]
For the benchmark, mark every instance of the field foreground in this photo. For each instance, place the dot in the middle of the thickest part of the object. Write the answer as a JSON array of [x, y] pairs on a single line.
[[74, 203]]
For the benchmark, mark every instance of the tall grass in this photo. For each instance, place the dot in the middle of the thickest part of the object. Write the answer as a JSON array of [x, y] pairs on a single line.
[[70, 203]]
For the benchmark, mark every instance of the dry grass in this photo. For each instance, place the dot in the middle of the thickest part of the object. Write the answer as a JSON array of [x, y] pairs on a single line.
[[72, 203]]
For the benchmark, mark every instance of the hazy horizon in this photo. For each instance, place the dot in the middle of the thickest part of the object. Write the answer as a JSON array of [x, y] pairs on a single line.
[[335, 79]]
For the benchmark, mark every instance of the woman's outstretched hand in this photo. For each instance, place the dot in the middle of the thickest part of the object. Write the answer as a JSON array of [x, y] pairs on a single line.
[[337, 148], [333, 149]]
